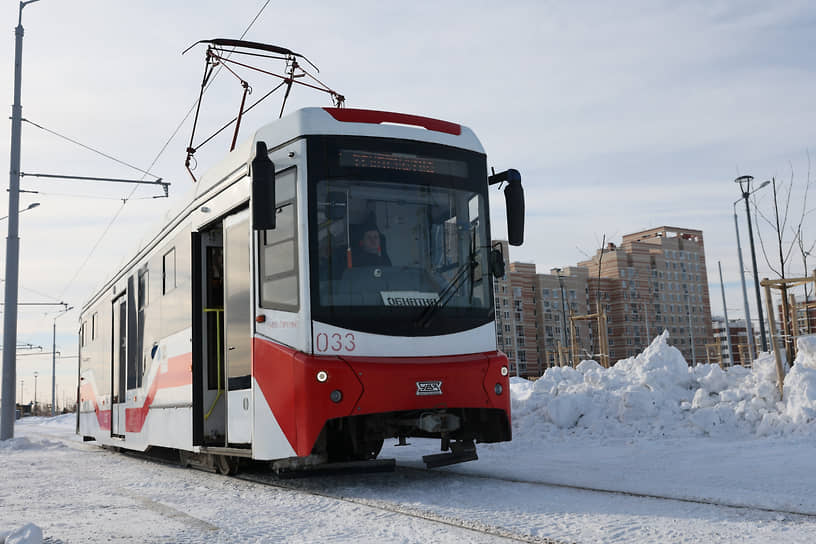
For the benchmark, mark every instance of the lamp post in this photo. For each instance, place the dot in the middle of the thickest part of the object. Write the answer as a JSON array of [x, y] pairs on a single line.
[[13, 243], [35, 392], [54, 360], [745, 186], [563, 310]]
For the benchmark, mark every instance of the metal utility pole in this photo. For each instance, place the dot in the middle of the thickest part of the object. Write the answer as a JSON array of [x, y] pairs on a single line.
[[725, 311], [54, 361], [13, 243]]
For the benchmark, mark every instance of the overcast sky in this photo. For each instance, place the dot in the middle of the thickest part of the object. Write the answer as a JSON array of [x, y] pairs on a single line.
[[620, 116]]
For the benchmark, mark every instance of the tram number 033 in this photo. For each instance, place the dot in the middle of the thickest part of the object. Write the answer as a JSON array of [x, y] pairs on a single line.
[[336, 342]]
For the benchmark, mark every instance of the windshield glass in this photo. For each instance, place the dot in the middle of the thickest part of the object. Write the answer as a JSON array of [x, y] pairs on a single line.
[[395, 248]]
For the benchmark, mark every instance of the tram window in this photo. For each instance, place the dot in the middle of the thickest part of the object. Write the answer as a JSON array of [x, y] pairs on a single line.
[[169, 271], [278, 251], [94, 323]]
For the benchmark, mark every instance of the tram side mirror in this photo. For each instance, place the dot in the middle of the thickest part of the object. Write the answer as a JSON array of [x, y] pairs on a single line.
[[337, 205], [514, 199], [496, 263], [263, 189]]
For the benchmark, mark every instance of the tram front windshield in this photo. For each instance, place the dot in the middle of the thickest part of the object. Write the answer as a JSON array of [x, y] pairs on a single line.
[[401, 258]]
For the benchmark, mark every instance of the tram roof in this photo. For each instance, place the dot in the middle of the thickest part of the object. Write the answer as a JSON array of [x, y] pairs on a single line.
[[345, 121], [305, 122]]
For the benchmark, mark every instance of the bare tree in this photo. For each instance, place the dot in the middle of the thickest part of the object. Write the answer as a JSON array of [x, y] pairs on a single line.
[[787, 238]]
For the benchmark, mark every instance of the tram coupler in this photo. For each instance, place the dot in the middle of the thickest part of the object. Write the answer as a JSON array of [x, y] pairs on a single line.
[[460, 452]]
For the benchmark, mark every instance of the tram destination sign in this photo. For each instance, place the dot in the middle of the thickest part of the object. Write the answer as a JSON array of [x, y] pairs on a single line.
[[403, 163], [408, 298]]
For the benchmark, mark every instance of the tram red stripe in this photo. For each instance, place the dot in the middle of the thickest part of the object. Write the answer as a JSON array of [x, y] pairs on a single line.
[[351, 115], [103, 417], [179, 373]]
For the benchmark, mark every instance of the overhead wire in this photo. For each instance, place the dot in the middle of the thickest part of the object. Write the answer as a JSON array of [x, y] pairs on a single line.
[[155, 160], [89, 148]]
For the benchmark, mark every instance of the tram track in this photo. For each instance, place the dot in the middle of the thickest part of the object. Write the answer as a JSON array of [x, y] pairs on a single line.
[[614, 492], [479, 527]]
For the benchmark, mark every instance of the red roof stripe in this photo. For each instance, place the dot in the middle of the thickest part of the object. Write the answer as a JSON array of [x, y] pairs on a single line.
[[351, 115]]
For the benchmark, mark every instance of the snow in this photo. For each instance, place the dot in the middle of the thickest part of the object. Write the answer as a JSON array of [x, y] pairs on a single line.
[[735, 458]]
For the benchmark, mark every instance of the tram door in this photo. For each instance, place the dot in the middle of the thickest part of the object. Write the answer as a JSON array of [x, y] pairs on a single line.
[[209, 377], [119, 369], [238, 327]]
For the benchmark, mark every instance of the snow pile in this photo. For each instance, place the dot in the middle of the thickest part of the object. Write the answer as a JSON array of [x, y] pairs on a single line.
[[656, 394], [27, 534]]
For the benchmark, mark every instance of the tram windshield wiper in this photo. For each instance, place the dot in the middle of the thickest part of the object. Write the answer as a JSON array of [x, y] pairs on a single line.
[[463, 272]]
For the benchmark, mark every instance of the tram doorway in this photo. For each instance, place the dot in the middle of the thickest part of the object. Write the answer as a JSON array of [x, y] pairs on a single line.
[[209, 378], [222, 331], [119, 367]]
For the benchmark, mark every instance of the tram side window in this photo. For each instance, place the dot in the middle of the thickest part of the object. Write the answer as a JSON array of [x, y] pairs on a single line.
[[278, 249], [94, 325], [169, 271]]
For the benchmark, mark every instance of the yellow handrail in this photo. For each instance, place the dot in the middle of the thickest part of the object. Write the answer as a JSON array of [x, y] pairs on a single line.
[[218, 312]]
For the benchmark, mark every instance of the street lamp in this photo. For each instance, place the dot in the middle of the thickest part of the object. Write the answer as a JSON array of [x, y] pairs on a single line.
[[563, 310], [745, 186], [54, 360], [30, 206], [35, 392]]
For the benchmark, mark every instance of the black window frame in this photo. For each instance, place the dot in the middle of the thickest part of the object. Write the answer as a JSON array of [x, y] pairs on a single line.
[[165, 289], [323, 163], [293, 203]]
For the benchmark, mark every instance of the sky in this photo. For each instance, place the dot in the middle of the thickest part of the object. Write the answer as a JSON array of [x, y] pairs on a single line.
[[620, 117]]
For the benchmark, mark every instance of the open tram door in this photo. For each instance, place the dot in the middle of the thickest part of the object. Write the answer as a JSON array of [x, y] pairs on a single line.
[[119, 366], [223, 327]]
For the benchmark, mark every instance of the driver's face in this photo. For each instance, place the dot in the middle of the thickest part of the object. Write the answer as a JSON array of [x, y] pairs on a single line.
[[370, 242]]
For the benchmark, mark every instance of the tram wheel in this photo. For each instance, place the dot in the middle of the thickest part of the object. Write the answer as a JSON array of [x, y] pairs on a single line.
[[226, 465]]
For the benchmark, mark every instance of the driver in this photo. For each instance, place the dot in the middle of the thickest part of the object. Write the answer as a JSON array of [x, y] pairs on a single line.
[[368, 250]]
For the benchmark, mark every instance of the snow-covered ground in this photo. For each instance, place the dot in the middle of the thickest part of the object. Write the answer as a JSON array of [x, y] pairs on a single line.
[[704, 455]]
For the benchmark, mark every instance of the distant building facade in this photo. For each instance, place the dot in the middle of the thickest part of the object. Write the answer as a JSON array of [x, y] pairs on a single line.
[[655, 280], [738, 332]]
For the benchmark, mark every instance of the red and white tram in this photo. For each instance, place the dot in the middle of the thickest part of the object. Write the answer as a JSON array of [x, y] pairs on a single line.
[[327, 286]]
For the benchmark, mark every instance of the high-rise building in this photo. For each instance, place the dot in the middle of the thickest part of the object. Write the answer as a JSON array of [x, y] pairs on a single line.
[[533, 314], [655, 280]]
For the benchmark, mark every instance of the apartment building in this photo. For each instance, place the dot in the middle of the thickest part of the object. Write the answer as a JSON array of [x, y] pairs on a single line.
[[738, 332], [533, 314], [655, 280]]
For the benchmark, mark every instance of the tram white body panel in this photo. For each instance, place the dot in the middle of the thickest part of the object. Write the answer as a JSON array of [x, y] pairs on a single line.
[[330, 340]]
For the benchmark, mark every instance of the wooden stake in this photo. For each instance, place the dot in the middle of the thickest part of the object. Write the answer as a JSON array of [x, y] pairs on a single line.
[[780, 373]]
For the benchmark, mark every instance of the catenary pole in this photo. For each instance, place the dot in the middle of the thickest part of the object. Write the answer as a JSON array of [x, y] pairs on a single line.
[[725, 311], [54, 361], [7, 408]]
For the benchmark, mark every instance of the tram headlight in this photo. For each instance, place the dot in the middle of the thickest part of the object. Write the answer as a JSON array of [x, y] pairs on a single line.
[[498, 389], [336, 396], [504, 371], [322, 376]]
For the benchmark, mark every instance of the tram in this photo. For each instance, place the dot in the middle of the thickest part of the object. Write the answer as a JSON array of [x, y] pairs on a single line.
[[327, 286]]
